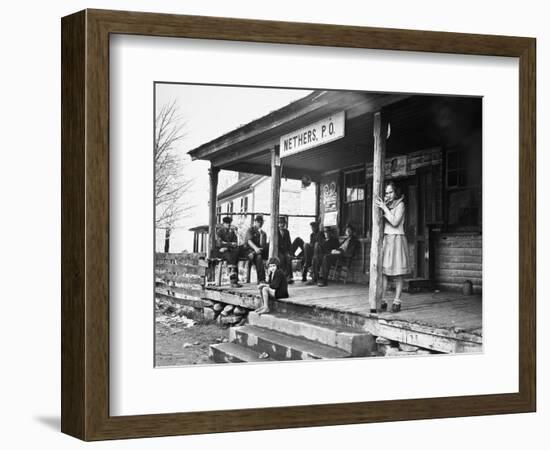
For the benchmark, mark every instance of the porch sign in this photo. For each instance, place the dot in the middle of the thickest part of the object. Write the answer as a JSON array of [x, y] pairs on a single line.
[[318, 133]]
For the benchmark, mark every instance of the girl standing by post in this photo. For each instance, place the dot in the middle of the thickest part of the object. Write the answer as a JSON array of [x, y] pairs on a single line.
[[395, 251]]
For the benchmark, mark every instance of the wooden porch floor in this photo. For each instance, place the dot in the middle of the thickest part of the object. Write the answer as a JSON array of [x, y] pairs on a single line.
[[443, 321]]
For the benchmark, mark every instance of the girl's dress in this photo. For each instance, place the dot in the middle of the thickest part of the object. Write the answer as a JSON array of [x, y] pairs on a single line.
[[396, 249]]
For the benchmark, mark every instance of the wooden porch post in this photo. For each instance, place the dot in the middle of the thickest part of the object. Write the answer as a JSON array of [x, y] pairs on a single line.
[[375, 283], [275, 194], [213, 172]]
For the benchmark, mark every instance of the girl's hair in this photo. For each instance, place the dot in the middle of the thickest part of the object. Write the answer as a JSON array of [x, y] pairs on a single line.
[[274, 260], [396, 189]]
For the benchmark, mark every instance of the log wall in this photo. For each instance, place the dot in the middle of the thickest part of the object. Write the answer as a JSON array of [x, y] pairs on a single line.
[[458, 257]]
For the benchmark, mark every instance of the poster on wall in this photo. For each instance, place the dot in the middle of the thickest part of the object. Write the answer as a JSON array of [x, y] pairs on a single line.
[[329, 197]]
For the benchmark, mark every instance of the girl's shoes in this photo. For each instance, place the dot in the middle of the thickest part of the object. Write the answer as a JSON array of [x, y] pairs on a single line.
[[383, 307], [395, 307]]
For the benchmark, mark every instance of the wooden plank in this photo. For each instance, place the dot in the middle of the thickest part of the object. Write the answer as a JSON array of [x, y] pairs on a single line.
[[453, 251], [275, 198], [175, 278], [181, 291], [379, 156], [460, 266], [246, 301], [184, 277], [175, 258], [184, 269], [428, 340], [460, 243], [192, 277], [459, 273], [459, 280], [194, 303], [460, 259]]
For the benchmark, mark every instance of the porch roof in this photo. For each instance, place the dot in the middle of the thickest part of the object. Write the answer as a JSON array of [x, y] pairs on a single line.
[[247, 148]]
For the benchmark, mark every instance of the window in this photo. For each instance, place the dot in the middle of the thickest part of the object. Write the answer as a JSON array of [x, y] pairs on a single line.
[[219, 213], [353, 210], [463, 185], [244, 204]]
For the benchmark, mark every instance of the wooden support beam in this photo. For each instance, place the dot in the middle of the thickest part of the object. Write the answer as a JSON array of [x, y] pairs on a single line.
[[275, 195], [212, 219], [375, 282], [317, 200]]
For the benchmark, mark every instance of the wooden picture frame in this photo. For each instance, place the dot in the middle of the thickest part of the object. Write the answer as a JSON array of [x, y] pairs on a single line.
[[85, 224]]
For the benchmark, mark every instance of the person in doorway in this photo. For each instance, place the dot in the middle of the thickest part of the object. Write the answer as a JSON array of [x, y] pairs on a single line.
[[275, 288], [313, 250], [255, 247], [346, 249], [287, 249], [227, 248], [395, 250]]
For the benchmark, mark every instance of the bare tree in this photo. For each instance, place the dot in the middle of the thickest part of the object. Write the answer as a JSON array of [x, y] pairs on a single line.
[[170, 179]]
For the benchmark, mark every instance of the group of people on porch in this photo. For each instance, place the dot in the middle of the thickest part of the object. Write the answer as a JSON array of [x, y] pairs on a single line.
[[323, 250]]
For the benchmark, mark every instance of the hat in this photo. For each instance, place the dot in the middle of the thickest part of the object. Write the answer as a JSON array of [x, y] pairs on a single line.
[[350, 226], [227, 219], [274, 260], [259, 218]]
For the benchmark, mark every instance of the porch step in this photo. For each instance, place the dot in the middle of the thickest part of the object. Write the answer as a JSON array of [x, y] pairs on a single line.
[[355, 342], [228, 352], [281, 346]]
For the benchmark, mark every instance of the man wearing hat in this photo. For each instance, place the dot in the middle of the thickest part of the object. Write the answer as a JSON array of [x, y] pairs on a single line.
[[313, 249], [255, 246], [228, 249], [330, 242], [346, 249]]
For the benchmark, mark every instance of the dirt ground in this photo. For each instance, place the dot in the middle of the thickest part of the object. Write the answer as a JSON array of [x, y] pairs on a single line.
[[179, 341]]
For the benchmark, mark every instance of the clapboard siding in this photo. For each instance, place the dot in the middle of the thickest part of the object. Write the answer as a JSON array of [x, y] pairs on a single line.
[[458, 258]]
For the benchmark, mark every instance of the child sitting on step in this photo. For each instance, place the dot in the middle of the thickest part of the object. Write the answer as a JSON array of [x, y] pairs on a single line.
[[276, 287]]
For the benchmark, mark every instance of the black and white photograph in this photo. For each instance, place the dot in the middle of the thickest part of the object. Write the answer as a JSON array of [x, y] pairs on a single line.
[[303, 224]]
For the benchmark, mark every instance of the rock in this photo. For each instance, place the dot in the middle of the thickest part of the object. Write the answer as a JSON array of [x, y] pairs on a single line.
[[169, 310], [422, 351], [229, 320], [208, 314], [382, 341], [227, 310], [392, 351], [219, 340], [407, 348], [239, 311], [187, 345], [196, 343], [218, 307], [225, 340]]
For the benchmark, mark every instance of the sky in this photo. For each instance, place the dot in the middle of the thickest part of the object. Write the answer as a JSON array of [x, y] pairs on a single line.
[[207, 113]]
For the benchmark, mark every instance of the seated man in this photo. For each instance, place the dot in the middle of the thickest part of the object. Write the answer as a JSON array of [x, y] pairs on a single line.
[[330, 243], [255, 246], [227, 248], [275, 288], [313, 249], [346, 249]]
